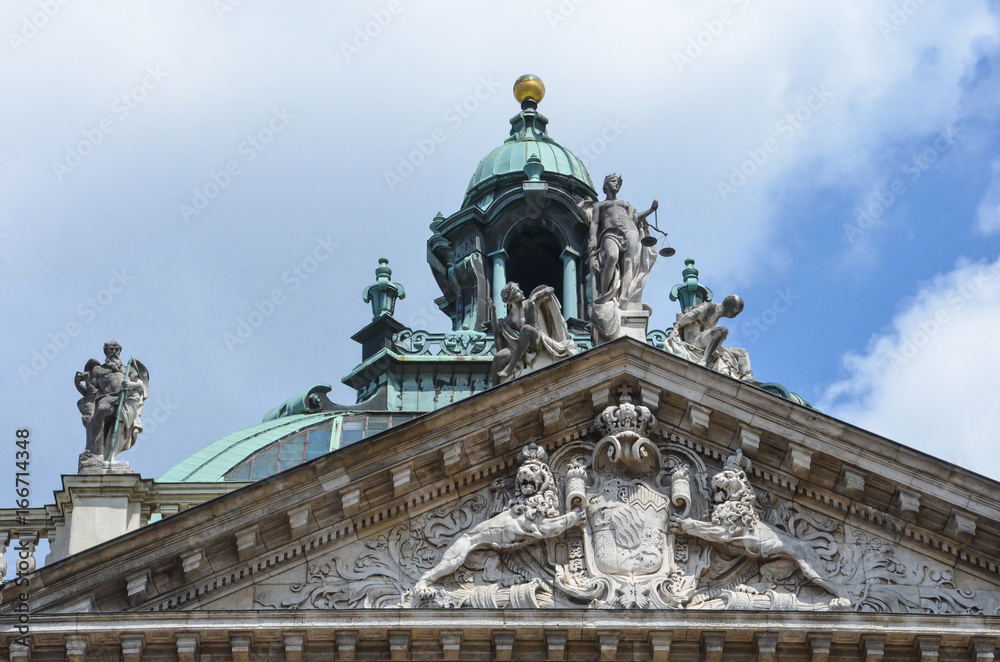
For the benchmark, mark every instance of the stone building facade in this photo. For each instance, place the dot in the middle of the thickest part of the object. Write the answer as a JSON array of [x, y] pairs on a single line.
[[640, 498]]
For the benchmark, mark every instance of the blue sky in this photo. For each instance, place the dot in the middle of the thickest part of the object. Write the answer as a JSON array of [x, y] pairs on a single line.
[[117, 114]]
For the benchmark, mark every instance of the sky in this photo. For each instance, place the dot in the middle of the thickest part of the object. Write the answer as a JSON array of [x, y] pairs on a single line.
[[169, 168]]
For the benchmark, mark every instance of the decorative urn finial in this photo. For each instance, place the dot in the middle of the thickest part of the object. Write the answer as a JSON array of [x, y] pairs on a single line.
[[383, 294], [533, 168], [691, 292]]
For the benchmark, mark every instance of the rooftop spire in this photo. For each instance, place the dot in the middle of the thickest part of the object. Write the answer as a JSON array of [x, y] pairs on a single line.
[[529, 124]]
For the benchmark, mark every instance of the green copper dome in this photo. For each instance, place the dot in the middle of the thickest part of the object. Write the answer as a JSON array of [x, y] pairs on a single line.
[[506, 164]]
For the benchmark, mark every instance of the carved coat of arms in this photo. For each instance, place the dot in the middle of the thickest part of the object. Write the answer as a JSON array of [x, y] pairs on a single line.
[[627, 521], [629, 492]]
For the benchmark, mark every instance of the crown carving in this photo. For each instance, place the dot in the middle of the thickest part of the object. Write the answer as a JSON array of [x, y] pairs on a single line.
[[625, 417], [533, 453]]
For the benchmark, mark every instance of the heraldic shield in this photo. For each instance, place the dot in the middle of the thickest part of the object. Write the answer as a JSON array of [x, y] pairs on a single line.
[[630, 517], [625, 553]]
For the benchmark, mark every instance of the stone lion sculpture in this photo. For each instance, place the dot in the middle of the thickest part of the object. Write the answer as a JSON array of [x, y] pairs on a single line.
[[736, 524], [533, 514]]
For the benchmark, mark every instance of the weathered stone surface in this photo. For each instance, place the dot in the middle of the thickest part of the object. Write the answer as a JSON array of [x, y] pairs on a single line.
[[132, 647], [907, 504], [187, 647], [293, 647], [76, 648], [660, 642], [852, 482], [819, 647], [113, 397], [863, 549], [531, 336], [619, 260], [697, 418], [747, 440], [696, 337]]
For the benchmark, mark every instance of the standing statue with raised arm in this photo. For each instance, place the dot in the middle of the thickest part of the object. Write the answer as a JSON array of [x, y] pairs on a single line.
[[618, 260], [113, 397]]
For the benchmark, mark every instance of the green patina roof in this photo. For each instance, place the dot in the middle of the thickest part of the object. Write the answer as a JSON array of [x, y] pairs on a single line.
[[211, 463], [778, 389], [528, 137], [512, 156], [306, 402]]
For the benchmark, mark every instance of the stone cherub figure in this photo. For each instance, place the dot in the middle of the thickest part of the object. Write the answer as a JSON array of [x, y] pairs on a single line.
[[532, 335], [618, 260], [113, 397], [696, 332], [737, 525], [533, 514]]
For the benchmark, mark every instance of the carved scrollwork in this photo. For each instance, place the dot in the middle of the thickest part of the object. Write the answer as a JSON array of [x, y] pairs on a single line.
[[455, 343], [627, 520]]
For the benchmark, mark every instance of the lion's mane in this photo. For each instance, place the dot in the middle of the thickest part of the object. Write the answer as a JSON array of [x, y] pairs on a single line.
[[544, 502], [736, 510]]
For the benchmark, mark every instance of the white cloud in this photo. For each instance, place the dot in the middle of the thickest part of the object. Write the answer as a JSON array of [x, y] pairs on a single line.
[[354, 119], [988, 213], [932, 381]]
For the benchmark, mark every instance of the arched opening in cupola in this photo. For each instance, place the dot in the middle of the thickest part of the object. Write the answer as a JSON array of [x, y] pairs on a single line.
[[534, 260]]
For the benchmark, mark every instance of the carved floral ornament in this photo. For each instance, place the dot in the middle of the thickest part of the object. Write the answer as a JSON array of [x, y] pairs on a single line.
[[632, 520]]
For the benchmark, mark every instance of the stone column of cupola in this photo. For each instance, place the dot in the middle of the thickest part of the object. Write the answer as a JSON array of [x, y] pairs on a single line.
[[570, 299], [499, 265]]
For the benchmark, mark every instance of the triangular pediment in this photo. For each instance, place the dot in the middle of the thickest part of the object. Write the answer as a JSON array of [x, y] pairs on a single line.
[[554, 492]]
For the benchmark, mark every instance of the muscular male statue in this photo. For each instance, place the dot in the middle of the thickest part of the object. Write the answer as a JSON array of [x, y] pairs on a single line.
[[697, 327], [533, 329], [113, 396]]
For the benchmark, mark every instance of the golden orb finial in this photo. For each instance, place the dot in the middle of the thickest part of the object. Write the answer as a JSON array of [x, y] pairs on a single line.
[[529, 86]]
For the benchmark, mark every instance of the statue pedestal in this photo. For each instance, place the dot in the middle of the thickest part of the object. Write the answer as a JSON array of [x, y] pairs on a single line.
[[97, 508], [635, 323], [95, 465]]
